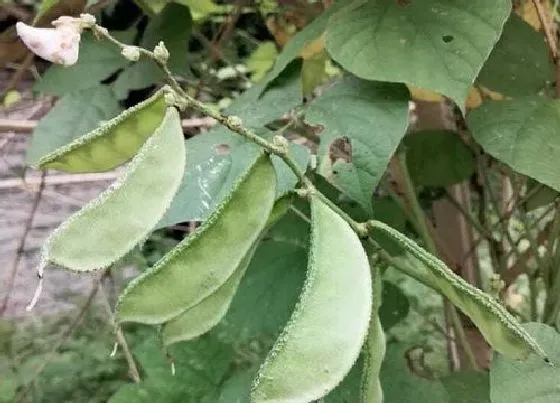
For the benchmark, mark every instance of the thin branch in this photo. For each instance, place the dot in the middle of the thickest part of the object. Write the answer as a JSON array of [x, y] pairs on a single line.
[[549, 30], [56, 180], [132, 368], [21, 245]]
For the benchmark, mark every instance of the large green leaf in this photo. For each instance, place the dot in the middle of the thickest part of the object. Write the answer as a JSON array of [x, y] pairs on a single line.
[[268, 292], [467, 387], [73, 116], [522, 133], [216, 159], [374, 117], [533, 380], [399, 385], [437, 44], [519, 63], [97, 61], [427, 152], [172, 26]]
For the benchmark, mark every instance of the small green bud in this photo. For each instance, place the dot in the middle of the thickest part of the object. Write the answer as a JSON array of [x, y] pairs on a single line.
[[281, 141], [170, 98], [161, 53], [131, 53], [235, 122]]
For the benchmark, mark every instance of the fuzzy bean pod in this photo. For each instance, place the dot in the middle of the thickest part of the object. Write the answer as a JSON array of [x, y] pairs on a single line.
[[205, 260], [500, 329], [327, 329], [203, 317], [109, 226], [374, 351], [113, 143]]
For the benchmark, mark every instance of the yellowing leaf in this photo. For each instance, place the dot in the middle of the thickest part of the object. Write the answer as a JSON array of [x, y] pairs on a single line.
[[12, 97], [262, 60], [421, 94], [474, 99], [493, 95], [201, 9], [528, 12], [313, 72], [313, 48]]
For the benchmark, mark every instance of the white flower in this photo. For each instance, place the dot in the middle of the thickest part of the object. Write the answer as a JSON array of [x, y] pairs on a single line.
[[60, 44]]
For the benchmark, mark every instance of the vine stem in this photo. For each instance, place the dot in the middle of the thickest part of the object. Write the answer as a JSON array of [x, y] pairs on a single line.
[[235, 124]]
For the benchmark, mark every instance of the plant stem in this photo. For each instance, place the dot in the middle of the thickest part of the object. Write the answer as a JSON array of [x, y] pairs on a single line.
[[426, 234], [462, 337], [235, 124]]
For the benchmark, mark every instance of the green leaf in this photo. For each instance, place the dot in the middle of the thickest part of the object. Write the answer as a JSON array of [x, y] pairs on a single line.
[[237, 388], [173, 26], [428, 151], [467, 387], [374, 117], [201, 9], [137, 76], [218, 158], [532, 380], [522, 133], [400, 385], [394, 305], [75, 114], [539, 195], [268, 292], [448, 40], [98, 60], [519, 63], [262, 59]]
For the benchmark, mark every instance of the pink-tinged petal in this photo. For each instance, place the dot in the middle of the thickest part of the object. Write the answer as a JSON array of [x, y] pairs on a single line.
[[58, 45]]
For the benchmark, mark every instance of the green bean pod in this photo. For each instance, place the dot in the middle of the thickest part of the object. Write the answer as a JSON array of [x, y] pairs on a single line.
[[205, 260], [203, 317], [109, 226], [113, 143], [374, 351], [326, 332], [500, 329]]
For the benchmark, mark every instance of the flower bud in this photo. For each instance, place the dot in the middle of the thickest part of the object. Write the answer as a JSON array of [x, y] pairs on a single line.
[[131, 53], [87, 20], [282, 143], [161, 53], [234, 121]]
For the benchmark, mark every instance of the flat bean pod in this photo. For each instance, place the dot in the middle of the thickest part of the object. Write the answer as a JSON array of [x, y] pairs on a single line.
[[113, 143], [374, 351], [325, 334], [205, 260], [203, 317], [109, 226], [500, 329]]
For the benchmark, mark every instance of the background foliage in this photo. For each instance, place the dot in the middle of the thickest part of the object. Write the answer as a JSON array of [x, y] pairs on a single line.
[[337, 81]]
